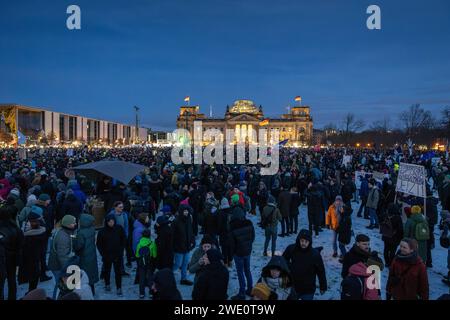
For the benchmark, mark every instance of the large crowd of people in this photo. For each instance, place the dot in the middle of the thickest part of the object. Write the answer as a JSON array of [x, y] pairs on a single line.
[[198, 220]]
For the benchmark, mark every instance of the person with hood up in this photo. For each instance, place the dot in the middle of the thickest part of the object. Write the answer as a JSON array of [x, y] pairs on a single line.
[[416, 227], [212, 281], [84, 292], [23, 215], [164, 286], [270, 217], [146, 255], [84, 246], [277, 277], [75, 187], [140, 224], [183, 242], [35, 241], [360, 272], [241, 238], [197, 262], [62, 249], [306, 265], [408, 279], [111, 242], [164, 243]]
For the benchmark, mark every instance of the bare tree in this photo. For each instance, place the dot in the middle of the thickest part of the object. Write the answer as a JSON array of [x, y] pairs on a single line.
[[445, 122], [382, 126], [416, 119], [351, 125]]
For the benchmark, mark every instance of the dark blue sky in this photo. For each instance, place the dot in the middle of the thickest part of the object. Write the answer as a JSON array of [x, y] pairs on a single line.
[[152, 53]]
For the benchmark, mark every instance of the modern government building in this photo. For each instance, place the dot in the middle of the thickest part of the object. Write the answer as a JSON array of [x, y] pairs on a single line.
[[244, 117]]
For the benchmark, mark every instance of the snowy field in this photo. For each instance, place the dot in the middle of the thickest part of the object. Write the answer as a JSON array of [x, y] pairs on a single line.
[[332, 265]]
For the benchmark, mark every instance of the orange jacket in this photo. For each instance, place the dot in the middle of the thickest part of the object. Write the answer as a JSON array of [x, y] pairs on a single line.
[[332, 218]]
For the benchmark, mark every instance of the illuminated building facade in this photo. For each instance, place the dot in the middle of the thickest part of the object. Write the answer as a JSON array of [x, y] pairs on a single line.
[[244, 117]]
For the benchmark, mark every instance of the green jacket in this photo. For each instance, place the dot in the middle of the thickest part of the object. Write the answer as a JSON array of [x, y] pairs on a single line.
[[146, 242], [410, 232]]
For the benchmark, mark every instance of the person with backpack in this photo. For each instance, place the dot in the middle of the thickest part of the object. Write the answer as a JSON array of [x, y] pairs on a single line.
[[111, 242], [444, 240], [146, 255], [241, 238], [183, 242], [408, 278], [356, 285], [197, 262], [278, 278], [284, 204], [84, 246], [306, 265], [270, 218], [416, 227], [212, 280], [164, 286], [373, 198], [391, 229]]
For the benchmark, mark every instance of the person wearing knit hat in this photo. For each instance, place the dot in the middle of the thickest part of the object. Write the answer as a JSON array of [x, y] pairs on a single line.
[[15, 192], [35, 213], [417, 227], [162, 220], [166, 209], [261, 292], [224, 204], [44, 197], [235, 199], [68, 221], [212, 282], [197, 261]]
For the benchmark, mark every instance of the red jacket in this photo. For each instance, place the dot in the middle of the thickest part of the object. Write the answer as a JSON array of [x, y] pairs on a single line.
[[408, 280]]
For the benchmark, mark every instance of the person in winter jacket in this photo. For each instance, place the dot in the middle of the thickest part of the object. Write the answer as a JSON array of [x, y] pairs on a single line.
[[164, 286], [146, 254], [408, 279], [71, 205], [293, 211], [83, 293], [432, 219], [197, 262], [75, 187], [242, 236], [284, 204], [111, 242], [84, 246], [183, 242], [164, 243], [315, 209], [272, 216], [123, 221], [360, 252], [363, 194], [391, 230], [23, 215], [140, 224], [224, 229], [211, 215], [372, 204], [212, 281], [305, 264], [332, 221], [277, 276], [344, 231], [411, 230], [62, 249], [360, 270], [35, 240]]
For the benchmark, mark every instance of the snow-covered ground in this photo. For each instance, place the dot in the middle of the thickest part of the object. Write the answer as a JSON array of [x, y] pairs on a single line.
[[332, 266]]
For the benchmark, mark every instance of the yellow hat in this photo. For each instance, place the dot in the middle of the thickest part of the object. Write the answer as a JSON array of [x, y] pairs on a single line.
[[416, 209], [261, 290]]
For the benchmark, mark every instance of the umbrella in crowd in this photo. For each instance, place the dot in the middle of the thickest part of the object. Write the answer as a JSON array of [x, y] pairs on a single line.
[[119, 170]]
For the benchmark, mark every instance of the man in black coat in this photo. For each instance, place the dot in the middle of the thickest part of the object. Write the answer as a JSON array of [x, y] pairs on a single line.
[[164, 286], [12, 242], [183, 242], [315, 208], [111, 242], [284, 204], [392, 232], [164, 243], [212, 282], [241, 237], [305, 264], [360, 252]]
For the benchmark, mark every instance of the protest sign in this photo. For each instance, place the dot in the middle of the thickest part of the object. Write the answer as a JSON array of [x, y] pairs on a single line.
[[411, 180], [346, 159]]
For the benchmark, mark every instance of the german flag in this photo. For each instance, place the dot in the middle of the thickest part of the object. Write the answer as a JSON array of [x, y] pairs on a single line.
[[298, 98], [187, 99], [265, 122]]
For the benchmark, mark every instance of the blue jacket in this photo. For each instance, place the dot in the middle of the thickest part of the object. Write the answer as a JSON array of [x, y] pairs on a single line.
[[138, 228], [78, 193], [364, 190]]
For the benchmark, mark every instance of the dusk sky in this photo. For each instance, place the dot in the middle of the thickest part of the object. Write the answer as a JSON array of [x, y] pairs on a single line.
[[153, 53]]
